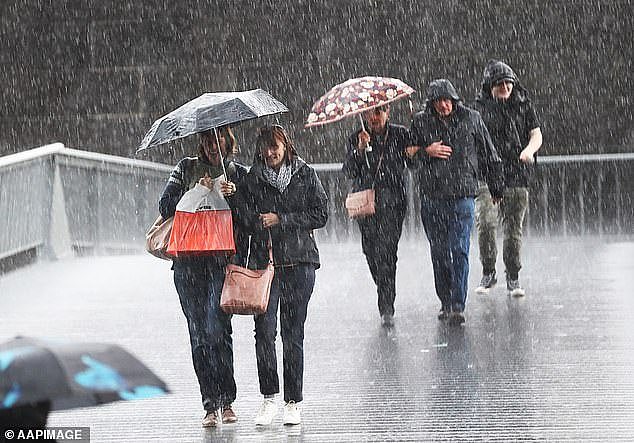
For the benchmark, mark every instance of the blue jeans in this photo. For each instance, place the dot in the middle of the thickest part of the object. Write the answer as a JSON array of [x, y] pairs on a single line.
[[291, 290], [448, 224], [199, 286]]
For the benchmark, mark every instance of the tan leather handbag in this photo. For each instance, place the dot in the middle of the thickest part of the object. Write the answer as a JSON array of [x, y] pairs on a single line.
[[246, 291], [158, 236], [361, 204]]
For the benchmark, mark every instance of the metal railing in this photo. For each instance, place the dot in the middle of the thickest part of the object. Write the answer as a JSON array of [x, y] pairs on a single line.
[[575, 194], [58, 201], [583, 194]]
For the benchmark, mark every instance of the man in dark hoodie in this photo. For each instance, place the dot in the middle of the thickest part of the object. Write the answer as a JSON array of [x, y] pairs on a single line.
[[514, 128], [453, 148]]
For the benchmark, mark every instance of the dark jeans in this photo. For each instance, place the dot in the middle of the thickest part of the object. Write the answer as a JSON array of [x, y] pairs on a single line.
[[448, 224], [199, 287], [291, 290], [379, 240]]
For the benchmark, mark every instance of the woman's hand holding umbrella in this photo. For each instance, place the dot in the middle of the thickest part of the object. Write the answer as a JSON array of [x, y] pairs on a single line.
[[227, 188]]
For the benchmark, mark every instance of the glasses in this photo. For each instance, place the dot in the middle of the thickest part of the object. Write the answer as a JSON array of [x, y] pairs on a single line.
[[376, 111]]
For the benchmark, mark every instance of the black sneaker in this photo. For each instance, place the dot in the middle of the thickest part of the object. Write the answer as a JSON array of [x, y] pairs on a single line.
[[514, 288], [443, 314], [456, 318], [487, 282], [387, 320]]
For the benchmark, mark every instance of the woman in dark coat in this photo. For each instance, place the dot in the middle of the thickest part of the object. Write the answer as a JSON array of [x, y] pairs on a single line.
[[282, 200], [199, 279]]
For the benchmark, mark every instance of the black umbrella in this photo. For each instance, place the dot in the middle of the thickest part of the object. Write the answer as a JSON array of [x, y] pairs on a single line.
[[71, 375], [209, 111]]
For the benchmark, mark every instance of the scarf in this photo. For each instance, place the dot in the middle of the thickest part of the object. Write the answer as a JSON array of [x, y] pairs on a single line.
[[280, 179]]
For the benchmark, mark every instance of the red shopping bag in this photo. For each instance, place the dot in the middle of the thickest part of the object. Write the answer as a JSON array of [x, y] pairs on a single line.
[[202, 223]]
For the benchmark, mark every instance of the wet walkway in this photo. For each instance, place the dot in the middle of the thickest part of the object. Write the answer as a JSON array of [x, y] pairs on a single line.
[[555, 365]]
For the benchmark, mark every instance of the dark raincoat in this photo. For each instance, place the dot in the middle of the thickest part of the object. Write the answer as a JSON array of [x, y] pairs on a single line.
[[473, 153], [389, 184], [381, 232], [302, 207], [509, 122]]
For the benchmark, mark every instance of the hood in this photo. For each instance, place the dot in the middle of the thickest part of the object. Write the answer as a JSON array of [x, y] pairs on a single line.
[[441, 88], [496, 70]]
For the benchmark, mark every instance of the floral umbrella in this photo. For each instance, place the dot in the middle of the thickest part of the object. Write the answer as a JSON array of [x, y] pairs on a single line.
[[355, 96]]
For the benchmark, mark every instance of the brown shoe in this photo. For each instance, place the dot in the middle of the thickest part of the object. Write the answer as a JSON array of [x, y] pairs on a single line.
[[228, 416], [210, 420]]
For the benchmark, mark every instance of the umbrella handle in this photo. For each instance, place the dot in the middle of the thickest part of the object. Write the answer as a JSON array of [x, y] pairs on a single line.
[[369, 147], [222, 160]]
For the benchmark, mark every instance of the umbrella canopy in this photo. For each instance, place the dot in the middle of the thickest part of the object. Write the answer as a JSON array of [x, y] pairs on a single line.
[[71, 375], [355, 96], [211, 110]]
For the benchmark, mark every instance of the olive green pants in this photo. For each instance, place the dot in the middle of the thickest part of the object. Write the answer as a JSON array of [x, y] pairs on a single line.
[[511, 211]]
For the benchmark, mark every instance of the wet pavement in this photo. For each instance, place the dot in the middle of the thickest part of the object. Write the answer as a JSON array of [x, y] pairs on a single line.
[[554, 365]]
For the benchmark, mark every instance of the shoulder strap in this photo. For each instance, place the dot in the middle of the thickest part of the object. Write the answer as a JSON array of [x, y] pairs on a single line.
[[378, 167], [269, 246]]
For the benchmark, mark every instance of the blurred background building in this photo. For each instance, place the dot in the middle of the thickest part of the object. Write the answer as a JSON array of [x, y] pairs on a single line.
[[94, 74]]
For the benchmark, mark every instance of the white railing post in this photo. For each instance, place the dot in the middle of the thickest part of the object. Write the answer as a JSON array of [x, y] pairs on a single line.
[[59, 240]]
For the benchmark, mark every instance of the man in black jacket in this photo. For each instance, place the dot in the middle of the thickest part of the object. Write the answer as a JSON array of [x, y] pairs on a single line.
[[376, 160], [453, 148], [512, 122]]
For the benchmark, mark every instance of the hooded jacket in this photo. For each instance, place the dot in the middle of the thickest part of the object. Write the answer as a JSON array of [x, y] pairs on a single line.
[[473, 153], [302, 207], [509, 122], [389, 182]]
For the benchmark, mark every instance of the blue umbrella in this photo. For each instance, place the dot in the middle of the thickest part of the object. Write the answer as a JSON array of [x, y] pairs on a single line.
[[209, 111], [71, 375]]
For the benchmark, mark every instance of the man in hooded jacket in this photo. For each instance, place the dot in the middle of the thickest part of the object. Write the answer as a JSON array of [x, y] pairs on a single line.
[[511, 120], [453, 148]]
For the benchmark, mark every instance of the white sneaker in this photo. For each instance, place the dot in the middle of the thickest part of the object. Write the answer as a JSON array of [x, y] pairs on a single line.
[[292, 413], [267, 412], [488, 281], [514, 288]]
